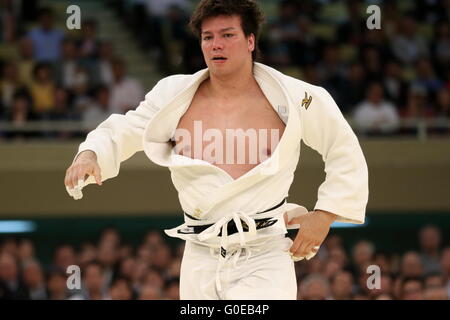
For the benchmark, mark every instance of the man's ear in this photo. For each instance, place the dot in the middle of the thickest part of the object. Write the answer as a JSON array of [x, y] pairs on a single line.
[[251, 42]]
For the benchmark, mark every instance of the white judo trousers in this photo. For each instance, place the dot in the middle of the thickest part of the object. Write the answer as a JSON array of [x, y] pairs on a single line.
[[265, 272]]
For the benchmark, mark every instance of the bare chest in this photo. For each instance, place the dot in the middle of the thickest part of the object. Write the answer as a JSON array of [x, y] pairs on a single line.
[[234, 135]]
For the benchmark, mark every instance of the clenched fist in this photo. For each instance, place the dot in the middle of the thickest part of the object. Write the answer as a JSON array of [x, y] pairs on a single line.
[[85, 165]]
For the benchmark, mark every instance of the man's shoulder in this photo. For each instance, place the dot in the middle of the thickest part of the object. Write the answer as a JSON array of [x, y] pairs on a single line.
[[296, 87], [170, 86]]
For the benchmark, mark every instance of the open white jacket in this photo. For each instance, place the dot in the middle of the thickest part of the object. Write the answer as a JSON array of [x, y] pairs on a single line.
[[208, 192]]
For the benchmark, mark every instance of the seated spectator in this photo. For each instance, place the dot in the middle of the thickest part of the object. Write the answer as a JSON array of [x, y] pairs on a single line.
[[120, 290], [9, 84], [396, 87], [26, 62], [93, 279], [101, 71], [89, 44], [57, 284], [172, 289], [34, 280], [150, 292], [46, 40], [67, 67], [411, 265], [408, 45], [434, 280], [443, 111], [440, 48], [43, 90], [126, 92], [342, 286], [376, 115], [362, 256], [98, 110], [412, 288], [19, 113], [352, 88], [435, 293], [314, 287], [430, 242], [11, 285], [426, 78]]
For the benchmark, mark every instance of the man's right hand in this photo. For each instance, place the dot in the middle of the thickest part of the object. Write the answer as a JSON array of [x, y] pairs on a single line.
[[85, 165]]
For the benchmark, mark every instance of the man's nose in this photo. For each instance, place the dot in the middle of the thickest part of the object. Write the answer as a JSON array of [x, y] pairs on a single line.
[[217, 44]]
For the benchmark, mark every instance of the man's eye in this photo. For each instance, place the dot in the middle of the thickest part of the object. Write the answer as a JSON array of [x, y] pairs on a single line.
[[207, 38], [228, 35]]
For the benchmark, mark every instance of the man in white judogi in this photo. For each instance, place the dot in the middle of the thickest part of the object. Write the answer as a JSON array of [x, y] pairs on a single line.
[[236, 216]]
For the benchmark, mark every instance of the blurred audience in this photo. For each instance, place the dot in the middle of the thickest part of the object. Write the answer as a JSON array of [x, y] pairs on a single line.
[[389, 81], [112, 269]]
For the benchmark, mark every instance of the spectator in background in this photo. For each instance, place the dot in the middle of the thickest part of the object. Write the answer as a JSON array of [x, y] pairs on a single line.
[[440, 48], [9, 84], [430, 242], [330, 70], [172, 289], [411, 265], [97, 111], [443, 111], [102, 73], [407, 45], [34, 280], [342, 286], [353, 87], [68, 66], [87, 254], [126, 92], [120, 290], [150, 292], [426, 78], [412, 288], [93, 279], [57, 284], [314, 287], [25, 250], [393, 82], [445, 265], [64, 256], [46, 40], [43, 90], [435, 293], [19, 113], [362, 256], [376, 115], [26, 62], [11, 286], [89, 44]]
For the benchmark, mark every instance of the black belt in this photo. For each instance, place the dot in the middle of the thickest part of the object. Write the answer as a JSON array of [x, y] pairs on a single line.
[[260, 223]]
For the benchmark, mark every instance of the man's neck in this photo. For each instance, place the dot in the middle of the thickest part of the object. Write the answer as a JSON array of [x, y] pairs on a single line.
[[232, 85]]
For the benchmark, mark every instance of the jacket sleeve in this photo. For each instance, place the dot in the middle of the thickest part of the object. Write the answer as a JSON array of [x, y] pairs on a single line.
[[119, 137], [345, 189]]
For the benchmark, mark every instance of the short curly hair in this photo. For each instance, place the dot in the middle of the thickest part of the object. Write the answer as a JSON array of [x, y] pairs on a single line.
[[251, 16]]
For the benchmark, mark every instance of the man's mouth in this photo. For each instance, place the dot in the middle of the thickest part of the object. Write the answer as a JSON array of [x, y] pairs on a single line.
[[219, 59]]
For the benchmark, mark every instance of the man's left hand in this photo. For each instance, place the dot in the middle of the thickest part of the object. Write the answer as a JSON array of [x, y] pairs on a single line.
[[314, 227]]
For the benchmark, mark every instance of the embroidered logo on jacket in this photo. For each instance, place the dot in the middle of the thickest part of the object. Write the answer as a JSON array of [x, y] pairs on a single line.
[[306, 101]]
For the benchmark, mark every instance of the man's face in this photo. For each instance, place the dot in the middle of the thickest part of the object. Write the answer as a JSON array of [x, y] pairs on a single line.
[[225, 47]]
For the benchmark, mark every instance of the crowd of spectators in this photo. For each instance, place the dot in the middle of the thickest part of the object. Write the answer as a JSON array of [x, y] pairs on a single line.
[[52, 74], [381, 79], [111, 268]]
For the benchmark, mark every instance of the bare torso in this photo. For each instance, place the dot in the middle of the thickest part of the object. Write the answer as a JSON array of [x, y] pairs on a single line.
[[251, 111]]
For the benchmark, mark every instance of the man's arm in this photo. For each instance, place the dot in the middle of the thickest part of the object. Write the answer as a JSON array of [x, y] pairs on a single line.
[[345, 189], [115, 140], [344, 193]]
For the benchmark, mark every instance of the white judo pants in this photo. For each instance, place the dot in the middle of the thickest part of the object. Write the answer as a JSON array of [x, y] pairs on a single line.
[[265, 273]]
